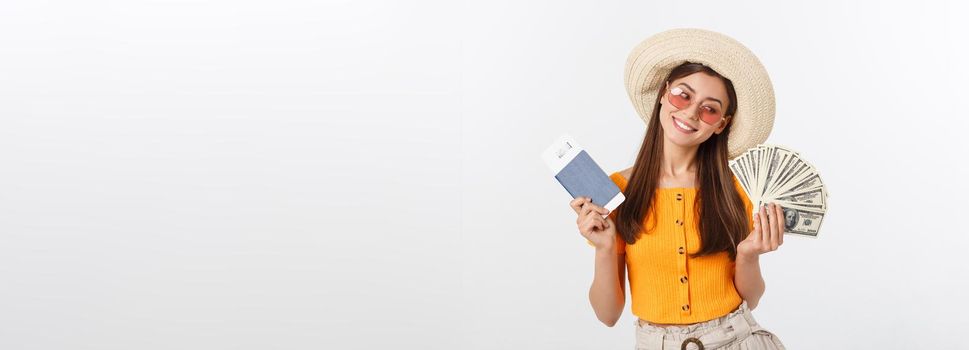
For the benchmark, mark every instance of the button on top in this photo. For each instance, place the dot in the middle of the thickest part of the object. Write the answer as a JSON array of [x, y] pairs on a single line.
[[679, 196]]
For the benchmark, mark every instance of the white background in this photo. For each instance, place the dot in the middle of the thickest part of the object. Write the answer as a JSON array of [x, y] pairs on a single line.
[[361, 175]]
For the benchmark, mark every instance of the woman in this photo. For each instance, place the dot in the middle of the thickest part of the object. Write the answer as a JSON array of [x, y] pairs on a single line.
[[685, 231]]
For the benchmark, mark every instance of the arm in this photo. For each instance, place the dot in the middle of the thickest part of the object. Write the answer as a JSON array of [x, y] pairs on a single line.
[[768, 234], [608, 292], [748, 280]]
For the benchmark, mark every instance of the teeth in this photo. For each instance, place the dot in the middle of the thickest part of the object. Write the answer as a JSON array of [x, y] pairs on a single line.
[[687, 127]]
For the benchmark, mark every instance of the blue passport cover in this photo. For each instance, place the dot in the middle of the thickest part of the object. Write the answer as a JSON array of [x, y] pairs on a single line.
[[582, 177]]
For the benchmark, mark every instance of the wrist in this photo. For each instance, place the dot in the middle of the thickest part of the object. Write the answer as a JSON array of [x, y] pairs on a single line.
[[748, 257], [605, 250]]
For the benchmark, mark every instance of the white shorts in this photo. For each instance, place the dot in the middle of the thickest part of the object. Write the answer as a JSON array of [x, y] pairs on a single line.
[[735, 331]]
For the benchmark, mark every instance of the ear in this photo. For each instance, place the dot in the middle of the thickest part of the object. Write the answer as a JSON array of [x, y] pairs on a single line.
[[723, 124], [662, 97]]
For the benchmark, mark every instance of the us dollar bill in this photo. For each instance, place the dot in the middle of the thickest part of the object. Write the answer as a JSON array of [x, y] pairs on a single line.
[[802, 222], [777, 174], [811, 198]]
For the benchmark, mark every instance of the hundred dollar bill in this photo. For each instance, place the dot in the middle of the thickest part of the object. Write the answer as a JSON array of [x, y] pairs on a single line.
[[802, 222], [811, 198], [776, 174]]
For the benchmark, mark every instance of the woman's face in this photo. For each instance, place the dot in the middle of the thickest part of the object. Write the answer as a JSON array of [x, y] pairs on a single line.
[[683, 126]]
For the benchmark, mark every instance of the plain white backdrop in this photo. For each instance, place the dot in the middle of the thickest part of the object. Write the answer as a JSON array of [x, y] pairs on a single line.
[[366, 174]]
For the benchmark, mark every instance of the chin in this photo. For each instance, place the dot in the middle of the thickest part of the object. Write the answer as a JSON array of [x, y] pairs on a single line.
[[679, 141]]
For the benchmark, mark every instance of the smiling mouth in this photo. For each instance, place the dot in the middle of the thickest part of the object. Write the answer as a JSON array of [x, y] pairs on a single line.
[[684, 127]]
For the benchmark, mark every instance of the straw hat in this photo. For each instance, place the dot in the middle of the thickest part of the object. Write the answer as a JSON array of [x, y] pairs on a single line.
[[651, 61]]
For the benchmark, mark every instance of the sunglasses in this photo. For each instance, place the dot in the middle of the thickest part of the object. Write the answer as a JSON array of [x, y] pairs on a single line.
[[681, 99]]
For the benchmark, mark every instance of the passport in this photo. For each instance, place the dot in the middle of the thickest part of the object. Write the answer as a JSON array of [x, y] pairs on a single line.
[[580, 175]]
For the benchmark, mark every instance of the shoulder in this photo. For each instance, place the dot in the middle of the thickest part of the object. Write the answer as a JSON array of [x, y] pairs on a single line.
[[626, 173], [621, 177]]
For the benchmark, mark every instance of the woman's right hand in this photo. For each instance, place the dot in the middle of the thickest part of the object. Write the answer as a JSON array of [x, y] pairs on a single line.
[[598, 230]]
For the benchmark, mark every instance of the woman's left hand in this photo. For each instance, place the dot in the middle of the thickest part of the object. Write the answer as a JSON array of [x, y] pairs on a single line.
[[768, 233]]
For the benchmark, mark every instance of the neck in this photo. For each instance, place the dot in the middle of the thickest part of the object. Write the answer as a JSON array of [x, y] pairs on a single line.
[[677, 160]]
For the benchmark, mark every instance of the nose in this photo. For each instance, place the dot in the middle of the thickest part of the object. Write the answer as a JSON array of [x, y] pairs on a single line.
[[693, 113]]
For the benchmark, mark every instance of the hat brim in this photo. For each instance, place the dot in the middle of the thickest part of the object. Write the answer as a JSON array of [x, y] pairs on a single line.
[[653, 59]]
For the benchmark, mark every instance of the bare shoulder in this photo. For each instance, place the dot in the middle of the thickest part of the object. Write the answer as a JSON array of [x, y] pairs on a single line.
[[626, 173]]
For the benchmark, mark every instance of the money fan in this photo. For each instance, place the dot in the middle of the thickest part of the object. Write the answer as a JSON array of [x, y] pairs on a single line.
[[776, 174]]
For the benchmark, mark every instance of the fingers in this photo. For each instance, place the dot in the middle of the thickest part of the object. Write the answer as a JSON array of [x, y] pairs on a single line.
[[764, 226], [600, 222], [586, 228], [584, 205], [576, 204], [756, 220], [772, 236], [591, 207], [780, 225], [592, 222]]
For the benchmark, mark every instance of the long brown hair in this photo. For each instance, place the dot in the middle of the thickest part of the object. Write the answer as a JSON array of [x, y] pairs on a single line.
[[723, 219]]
